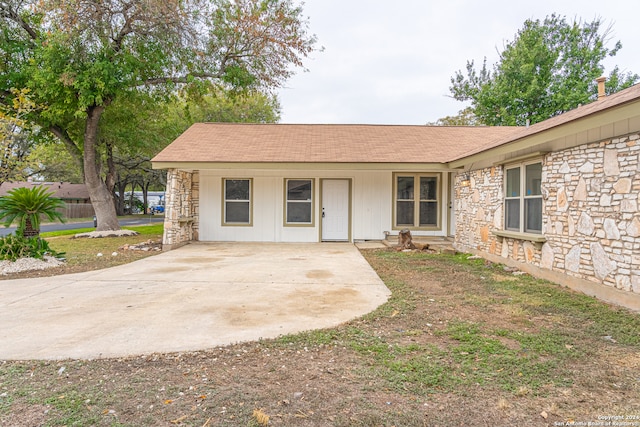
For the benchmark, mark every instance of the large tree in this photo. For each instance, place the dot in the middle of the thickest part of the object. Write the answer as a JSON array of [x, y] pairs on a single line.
[[15, 137], [133, 130], [464, 117], [136, 129], [549, 68], [79, 56], [231, 107], [50, 161]]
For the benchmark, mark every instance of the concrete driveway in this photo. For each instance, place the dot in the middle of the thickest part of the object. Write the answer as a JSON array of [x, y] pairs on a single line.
[[195, 297]]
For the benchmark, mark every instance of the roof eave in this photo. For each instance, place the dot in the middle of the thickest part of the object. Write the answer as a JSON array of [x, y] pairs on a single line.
[[395, 166], [534, 141]]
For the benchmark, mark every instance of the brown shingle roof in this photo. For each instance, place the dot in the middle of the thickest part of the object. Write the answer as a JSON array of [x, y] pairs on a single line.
[[292, 143], [281, 143], [615, 100]]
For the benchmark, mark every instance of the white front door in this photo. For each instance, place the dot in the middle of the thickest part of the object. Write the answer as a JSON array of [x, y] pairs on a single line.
[[335, 210]]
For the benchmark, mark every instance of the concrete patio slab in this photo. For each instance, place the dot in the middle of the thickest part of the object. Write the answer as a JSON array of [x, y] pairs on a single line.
[[196, 297]]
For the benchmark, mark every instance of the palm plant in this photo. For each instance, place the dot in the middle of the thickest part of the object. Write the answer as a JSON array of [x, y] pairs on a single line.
[[27, 206]]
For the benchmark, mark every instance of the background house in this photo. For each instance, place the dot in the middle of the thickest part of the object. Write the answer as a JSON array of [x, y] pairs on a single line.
[[75, 196]]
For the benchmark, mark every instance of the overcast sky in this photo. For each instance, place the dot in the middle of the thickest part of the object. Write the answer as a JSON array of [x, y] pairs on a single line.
[[388, 62]]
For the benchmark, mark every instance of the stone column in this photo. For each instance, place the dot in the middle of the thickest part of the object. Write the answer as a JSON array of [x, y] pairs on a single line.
[[180, 210]]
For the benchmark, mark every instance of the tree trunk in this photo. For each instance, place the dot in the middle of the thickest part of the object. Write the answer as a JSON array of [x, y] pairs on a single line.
[[72, 148], [112, 174], [145, 196], [121, 197], [405, 240], [29, 231], [101, 197], [132, 198]]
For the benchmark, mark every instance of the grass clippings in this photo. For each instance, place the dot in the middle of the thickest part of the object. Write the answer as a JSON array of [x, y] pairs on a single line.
[[460, 342]]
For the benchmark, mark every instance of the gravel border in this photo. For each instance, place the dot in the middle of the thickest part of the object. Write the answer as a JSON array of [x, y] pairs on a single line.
[[28, 264], [100, 234]]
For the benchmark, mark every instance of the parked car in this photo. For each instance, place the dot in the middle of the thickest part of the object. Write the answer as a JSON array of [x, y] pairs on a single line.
[[157, 209]]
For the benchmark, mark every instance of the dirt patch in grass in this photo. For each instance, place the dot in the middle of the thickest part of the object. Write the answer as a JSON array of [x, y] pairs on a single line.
[[460, 343]]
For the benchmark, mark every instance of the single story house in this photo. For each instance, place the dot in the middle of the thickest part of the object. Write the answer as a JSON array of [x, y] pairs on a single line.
[[75, 196], [68, 192], [558, 199]]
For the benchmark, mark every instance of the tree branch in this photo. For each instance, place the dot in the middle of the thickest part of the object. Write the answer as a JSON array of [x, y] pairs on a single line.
[[7, 12], [182, 79], [71, 146], [4, 96]]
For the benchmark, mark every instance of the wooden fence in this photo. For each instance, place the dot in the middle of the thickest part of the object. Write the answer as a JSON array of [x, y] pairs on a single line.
[[77, 210]]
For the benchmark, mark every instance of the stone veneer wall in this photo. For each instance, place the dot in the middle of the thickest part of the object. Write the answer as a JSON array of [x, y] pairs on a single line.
[[181, 208], [478, 206], [592, 220], [590, 214]]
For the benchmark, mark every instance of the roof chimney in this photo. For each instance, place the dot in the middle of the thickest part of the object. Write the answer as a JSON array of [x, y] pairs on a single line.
[[601, 92]]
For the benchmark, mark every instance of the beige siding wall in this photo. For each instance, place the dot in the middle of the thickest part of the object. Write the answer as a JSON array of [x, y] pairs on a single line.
[[371, 206], [194, 206], [591, 220]]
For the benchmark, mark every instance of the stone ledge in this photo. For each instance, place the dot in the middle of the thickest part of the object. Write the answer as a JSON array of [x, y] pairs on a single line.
[[538, 239]]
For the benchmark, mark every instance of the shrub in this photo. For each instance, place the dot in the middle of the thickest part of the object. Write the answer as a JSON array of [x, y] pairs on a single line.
[[13, 247], [26, 206]]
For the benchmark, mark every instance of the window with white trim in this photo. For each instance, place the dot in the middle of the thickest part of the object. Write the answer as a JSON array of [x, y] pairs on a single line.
[[299, 201], [416, 200], [523, 198], [237, 201]]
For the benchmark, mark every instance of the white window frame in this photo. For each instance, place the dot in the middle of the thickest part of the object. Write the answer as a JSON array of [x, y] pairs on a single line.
[[310, 202], [522, 197], [225, 222]]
